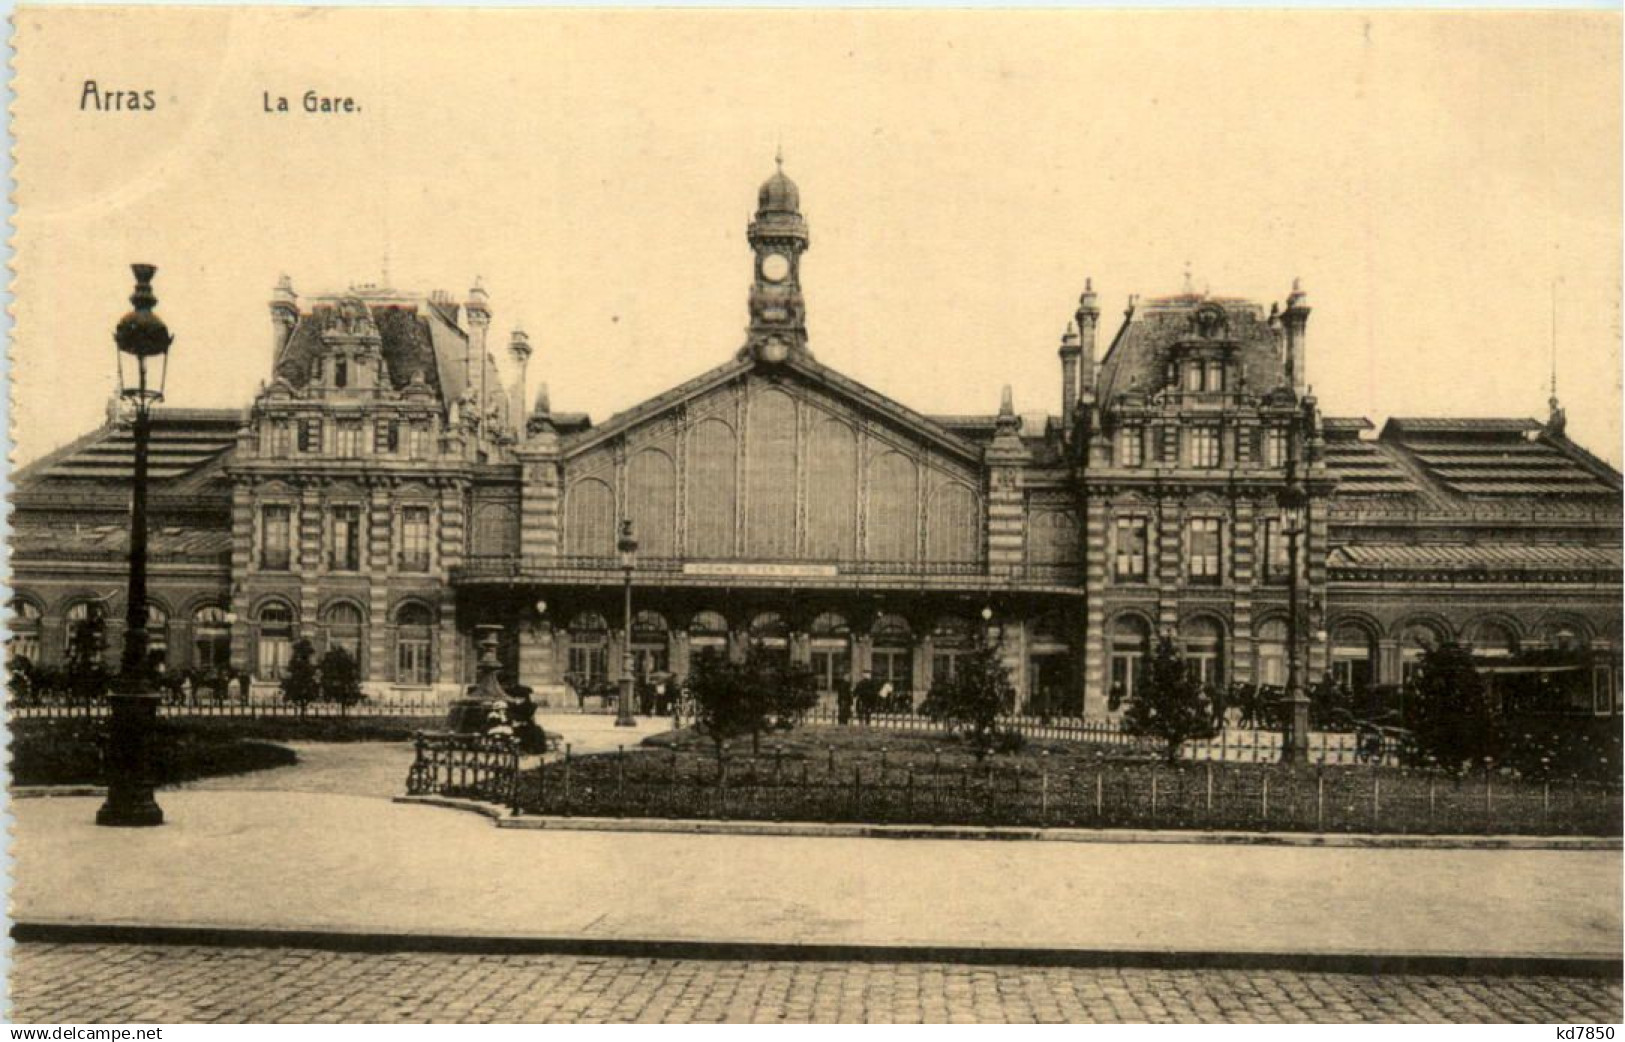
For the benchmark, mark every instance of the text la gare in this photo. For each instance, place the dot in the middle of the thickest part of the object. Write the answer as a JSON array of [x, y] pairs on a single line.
[[310, 101]]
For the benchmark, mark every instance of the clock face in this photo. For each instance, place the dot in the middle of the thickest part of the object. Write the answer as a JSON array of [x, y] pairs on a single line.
[[775, 267]]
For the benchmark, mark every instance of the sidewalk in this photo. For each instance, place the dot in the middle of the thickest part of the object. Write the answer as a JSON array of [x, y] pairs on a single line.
[[326, 862]]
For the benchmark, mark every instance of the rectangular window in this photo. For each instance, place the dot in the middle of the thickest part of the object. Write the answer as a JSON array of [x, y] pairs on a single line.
[[310, 435], [1130, 447], [273, 654], [1275, 447], [1193, 376], [341, 372], [346, 539], [415, 539], [276, 531], [386, 437], [347, 439], [1277, 563], [1131, 549], [420, 441], [316, 370], [1204, 447], [1215, 376], [590, 661], [1204, 549], [412, 660], [281, 438]]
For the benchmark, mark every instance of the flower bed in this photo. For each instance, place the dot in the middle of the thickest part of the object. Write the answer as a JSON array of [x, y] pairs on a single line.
[[849, 775]]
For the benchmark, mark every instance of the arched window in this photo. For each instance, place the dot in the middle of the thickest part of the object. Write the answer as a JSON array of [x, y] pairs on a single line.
[[211, 638], [951, 639], [708, 631], [831, 640], [892, 658], [274, 640], [1131, 642], [344, 629], [1204, 650], [1493, 640], [414, 644], [1353, 657], [1565, 636], [589, 647], [650, 643], [1270, 643], [25, 630], [1416, 640]]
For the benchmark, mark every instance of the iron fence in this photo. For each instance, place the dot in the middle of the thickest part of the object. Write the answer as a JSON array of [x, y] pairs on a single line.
[[1206, 796], [251, 708]]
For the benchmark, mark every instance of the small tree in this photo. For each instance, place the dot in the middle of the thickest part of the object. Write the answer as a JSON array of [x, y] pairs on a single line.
[[726, 699], [340, 679], [1171, 703], [87, 676], [20, 686], [1450, 709], [973, 697], [792, 693], [300, 684]]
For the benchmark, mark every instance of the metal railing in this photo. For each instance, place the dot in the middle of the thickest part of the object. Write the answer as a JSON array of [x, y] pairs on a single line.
[[515, 566], [466, 766]]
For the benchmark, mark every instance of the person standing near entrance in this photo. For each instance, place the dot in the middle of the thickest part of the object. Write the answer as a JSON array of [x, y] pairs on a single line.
[[843, 701], [867, 692]]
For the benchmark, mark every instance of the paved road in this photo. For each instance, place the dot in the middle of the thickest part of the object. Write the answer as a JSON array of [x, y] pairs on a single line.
[[141, 984], [368, 865]]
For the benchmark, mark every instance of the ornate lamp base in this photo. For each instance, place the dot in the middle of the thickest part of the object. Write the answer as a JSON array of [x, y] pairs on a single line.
[[131, 728]]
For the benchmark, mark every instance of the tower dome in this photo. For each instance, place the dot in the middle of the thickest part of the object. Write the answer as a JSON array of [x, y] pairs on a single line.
[[778, 193]]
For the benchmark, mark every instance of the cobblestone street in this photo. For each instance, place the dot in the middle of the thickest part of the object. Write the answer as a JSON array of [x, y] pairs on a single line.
[[137, 983]]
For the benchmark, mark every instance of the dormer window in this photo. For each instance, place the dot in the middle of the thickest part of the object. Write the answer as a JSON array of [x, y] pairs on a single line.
[[316, 370], [1215, 375], [1193, 377], [341, 373]]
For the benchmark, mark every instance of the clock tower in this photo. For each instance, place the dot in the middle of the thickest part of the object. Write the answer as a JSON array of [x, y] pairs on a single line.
[[778, 238]]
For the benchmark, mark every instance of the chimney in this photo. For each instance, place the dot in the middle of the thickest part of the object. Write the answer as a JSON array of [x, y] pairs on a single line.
[[478, 310], [1294, 320], [1088, 319], [1069, 377], [519, 350], [284, 316]]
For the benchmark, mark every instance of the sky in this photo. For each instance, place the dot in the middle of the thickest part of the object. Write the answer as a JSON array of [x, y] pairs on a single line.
[[1438, 181]]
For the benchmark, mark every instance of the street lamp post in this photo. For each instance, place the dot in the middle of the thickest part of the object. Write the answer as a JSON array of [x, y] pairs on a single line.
[[628, 546], [1294, 510], [142, 340]]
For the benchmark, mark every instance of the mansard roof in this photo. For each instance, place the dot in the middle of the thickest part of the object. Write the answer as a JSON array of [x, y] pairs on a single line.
[[416, 335], [833, 382], [1139, 352]]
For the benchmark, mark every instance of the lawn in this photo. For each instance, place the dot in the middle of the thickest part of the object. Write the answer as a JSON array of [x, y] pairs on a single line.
[[67, 752], [850, 774]]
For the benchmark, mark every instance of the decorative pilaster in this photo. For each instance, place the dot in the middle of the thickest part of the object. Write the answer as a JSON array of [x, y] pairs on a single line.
[[1095, 558]]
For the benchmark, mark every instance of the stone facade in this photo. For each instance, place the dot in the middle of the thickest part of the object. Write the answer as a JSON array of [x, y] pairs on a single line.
[[383, 493]]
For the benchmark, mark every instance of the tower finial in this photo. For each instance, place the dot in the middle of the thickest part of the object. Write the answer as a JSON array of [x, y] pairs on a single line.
[[1553, 401], [778, 155], [1190, 286]]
